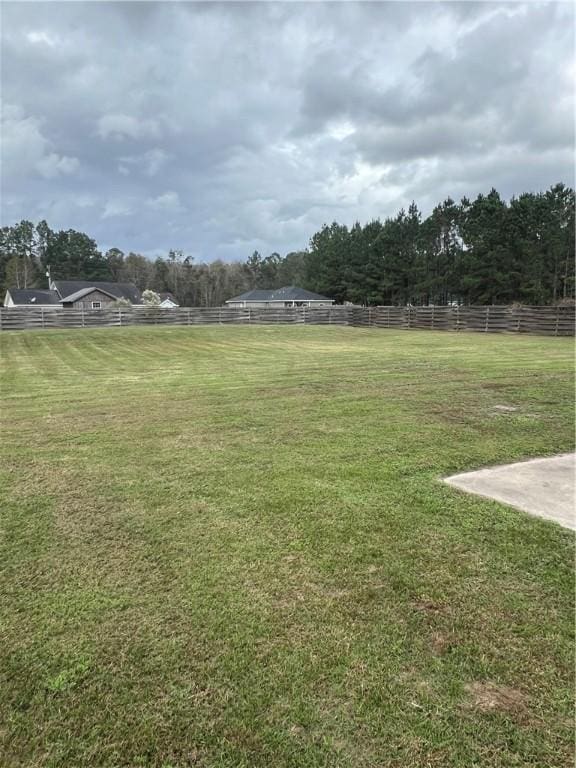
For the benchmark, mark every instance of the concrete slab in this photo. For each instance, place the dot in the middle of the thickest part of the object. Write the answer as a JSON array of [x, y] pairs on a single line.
[[542, 487]]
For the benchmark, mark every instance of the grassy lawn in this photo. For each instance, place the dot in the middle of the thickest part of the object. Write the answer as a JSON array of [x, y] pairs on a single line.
[[228, 546]]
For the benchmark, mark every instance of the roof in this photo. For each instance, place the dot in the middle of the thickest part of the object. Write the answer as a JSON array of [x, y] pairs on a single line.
[[85, 292], [33, 296], [67, 288], [288, 293]]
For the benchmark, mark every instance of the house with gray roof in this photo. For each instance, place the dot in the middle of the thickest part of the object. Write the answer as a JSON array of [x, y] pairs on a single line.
[[74, 294], [90, 294], [290, 296], [30, 297]]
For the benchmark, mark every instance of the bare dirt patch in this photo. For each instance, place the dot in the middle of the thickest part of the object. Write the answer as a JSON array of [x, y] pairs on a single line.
[[442, 643], [491, 697], [429, 607], [505, 408]]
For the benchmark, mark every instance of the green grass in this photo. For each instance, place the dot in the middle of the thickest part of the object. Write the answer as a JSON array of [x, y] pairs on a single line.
[[229, 546]]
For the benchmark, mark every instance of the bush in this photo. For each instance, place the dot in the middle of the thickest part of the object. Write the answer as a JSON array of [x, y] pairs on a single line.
[[151, 298]]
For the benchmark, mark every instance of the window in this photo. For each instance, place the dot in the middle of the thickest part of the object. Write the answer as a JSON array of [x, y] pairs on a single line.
[[96, 305]]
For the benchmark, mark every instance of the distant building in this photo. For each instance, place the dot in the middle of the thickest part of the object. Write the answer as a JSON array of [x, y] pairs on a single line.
[[75, 294], [167, 300], [290, 296], [89, 294], [31, 297]]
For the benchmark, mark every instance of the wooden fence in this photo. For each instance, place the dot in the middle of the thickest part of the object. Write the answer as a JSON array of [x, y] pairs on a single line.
[[552, 321]]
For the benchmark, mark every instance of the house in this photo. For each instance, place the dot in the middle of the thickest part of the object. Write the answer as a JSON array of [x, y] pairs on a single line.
[[290, 296], [89, 294], [167, 300], [30, 297], [74, 294]]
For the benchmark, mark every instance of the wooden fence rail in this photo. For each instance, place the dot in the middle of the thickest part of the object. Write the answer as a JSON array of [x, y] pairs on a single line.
[[552, 321]]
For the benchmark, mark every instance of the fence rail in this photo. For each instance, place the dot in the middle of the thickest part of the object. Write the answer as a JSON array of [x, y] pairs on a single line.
[[551, 321]]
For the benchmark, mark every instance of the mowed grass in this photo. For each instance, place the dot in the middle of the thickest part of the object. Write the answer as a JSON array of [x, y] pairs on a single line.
[[228, 546]]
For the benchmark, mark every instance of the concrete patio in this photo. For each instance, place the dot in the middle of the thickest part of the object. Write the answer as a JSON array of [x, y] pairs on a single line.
[[542, 487]]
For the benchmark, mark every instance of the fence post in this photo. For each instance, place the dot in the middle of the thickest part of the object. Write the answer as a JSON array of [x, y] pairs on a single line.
[[433, 316], [82, 315], [120, 316], [557, 321], [487, 320], [42, 315]]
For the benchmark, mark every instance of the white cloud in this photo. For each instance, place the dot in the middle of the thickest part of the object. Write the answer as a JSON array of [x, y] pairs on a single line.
[[41, 37], [121, 127], [115, 208], [169, 201], [27, 152], [154, 160], [54, 165], [149, 163]]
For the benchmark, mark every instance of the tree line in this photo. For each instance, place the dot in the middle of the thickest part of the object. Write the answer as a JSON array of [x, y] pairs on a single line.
[[486, 251]]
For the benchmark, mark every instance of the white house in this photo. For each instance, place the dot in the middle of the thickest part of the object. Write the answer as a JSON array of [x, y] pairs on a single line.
[[167, 301]]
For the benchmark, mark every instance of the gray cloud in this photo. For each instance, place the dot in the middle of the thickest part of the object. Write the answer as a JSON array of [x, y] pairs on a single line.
[[220, 128]]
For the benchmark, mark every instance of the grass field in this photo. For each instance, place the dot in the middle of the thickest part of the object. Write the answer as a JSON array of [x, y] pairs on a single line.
[[229, 546]]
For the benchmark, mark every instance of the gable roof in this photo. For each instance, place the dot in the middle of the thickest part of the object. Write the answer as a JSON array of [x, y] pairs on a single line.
[[67, 288], [85, 292], [33, 296], [288, 293], [254, 295]]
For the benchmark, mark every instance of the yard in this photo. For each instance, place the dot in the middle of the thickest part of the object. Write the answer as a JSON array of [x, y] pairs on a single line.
[[229, 547]]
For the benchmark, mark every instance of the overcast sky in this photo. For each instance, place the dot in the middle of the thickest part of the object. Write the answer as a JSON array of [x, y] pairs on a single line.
[[224, 128]]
